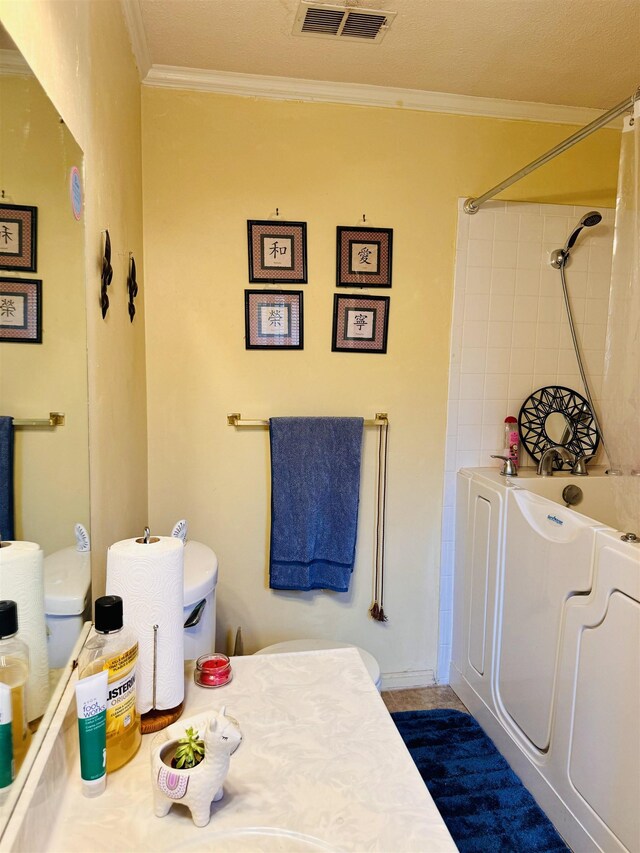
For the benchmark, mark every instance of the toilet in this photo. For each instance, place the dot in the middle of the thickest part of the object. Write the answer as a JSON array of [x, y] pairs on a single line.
[[199, 595], [315, 645], [67, 578], [200, 581]]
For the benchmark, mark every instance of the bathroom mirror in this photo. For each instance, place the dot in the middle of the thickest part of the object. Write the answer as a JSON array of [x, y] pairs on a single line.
[[41, 167], [558, 428], [555, 415]]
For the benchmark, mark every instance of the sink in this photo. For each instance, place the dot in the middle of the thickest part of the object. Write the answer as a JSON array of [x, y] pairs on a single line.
[[256, 839]]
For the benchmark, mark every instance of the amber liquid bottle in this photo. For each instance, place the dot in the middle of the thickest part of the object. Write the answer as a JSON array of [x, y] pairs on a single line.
[[14, 671], [113, 647]]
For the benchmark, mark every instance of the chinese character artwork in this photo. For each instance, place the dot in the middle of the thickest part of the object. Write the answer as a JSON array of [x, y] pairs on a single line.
[[273, 319], [21, 310], [7, 307], [364, 257], [360, 323], [18, 237], [277, 251]]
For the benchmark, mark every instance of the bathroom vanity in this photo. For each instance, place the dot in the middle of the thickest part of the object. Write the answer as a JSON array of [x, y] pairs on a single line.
[[321, 767]]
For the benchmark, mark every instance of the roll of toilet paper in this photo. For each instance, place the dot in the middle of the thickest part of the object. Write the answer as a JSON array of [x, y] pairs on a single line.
[[149, 579], [22, 581]]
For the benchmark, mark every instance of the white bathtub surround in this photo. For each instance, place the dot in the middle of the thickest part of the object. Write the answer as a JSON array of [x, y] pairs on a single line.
[[510, 336], [547, 648], [621, 389]]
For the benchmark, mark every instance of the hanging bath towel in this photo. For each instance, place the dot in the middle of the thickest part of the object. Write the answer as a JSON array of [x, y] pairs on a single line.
[[6, 478], [315, 490]]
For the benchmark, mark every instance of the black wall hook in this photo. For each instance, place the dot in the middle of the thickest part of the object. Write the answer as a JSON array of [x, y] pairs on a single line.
[[106, 275], [132, 286]]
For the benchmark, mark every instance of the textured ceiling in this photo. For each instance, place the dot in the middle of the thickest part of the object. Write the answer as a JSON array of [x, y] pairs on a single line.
[[574, 52]]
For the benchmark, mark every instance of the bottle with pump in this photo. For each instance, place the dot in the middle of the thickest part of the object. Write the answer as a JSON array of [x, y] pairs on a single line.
[[115, 648], [512, 440], [14, 671]]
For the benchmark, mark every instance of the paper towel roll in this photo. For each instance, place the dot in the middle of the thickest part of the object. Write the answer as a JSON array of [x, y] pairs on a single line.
[[149, 579], [22, 581]]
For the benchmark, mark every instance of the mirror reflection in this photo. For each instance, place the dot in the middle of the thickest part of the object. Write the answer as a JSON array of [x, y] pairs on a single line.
[[45, 475], [559, 428]]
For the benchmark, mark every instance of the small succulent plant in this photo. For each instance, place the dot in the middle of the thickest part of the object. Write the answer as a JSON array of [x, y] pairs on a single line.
[[190, 751]]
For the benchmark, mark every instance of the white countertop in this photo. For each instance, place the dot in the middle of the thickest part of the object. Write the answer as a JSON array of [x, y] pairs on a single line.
[[321, 767]]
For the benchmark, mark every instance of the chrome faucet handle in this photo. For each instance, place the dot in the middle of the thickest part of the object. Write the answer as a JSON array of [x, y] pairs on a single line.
[[509, 468], [580, 465]]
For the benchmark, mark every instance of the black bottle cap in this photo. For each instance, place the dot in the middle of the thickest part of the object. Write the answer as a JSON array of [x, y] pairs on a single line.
[[108, 614], [8, 618]]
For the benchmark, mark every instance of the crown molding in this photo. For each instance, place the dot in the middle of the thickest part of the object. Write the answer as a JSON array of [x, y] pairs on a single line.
[[12, 62], [363, 95], [133, 19]]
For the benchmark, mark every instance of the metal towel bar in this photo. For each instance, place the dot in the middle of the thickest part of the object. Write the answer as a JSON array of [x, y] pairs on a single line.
[[235, 419], [55, 419]]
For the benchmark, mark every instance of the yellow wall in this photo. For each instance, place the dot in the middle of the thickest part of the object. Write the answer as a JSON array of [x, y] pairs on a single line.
[[212, 162], [51, 466], [81, 54]]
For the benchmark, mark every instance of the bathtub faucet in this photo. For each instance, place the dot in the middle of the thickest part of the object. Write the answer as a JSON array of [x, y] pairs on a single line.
[[545, 465], [580, 465]]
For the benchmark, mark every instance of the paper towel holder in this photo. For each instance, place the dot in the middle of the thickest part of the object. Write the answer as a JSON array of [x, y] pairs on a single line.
[[147, 538]]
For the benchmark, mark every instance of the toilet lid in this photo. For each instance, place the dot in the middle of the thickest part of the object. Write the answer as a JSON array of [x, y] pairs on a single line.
[[67, 574], [315, 645]]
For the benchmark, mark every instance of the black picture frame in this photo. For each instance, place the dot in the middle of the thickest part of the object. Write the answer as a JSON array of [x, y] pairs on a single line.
[[21, 310], [277, 251], [364, 256], [274, 319], [18, 237], [360, 323]]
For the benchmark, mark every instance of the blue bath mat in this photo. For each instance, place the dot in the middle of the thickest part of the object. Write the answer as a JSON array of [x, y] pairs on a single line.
[[486, 807]]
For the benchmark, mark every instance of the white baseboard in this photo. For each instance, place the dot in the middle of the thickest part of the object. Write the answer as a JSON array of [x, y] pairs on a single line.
[[409, 679]]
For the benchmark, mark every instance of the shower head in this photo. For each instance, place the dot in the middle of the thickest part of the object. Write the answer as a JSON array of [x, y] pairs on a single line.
[[559, 257], [587, 221]]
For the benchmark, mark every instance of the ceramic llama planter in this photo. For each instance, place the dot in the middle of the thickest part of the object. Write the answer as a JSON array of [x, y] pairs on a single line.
[[196, 787]]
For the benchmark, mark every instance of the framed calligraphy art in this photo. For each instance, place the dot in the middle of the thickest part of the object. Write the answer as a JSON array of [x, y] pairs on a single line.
[[360, 323], [277, 251], [273, 319], [21, 310], [364, 257], [18, 232]]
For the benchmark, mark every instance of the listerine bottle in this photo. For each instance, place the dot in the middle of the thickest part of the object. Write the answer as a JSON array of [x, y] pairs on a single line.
[[14, 671], [113, 647]]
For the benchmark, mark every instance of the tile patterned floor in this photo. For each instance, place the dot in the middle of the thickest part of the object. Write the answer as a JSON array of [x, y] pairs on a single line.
[[422, 699]]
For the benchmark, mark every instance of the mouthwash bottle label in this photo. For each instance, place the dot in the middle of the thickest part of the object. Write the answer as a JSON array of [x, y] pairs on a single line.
[[6, 740], [121, 700]]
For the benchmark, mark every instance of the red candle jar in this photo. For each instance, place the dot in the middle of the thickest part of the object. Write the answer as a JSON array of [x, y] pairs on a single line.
[[212, 670]]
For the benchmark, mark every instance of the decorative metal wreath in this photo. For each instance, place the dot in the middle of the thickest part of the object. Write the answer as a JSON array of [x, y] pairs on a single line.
[[535, 410]]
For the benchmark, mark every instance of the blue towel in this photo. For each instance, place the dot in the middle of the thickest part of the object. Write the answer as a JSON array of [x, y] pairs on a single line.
[[315, 490], [6, 477]]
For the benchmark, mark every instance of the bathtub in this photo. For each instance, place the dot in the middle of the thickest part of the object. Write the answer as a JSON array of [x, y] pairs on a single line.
[[546, 646]]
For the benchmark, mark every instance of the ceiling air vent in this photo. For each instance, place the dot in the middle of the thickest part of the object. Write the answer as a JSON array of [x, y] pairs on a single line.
[[346, 23]]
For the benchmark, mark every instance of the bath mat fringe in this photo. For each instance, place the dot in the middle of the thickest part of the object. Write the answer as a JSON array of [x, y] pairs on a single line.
[[376, 611], [484, 804]]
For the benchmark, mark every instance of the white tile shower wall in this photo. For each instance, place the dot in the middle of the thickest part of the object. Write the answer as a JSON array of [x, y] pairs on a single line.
[[510, 336]]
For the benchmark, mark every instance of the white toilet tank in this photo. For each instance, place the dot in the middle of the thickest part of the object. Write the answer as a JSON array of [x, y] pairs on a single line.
[[200, 580], [67, 577]]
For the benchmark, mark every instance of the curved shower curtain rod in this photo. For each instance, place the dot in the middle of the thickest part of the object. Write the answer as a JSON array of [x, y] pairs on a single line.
[[472, 205]]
